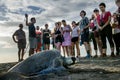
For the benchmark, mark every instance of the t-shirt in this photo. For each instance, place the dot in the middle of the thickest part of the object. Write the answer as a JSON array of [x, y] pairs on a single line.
[[32, 32], [105, 17], [20, 34], [98, 19], [38, 35], [75, 32], [83, 23]]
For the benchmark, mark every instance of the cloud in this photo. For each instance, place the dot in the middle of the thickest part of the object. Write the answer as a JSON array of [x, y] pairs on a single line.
[[46, 11], [33, 10]]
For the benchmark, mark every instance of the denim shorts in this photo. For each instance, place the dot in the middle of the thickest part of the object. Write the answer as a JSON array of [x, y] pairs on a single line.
[[85, 37]]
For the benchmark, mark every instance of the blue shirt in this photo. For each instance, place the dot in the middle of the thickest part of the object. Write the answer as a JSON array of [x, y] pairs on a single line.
[[83, 23]]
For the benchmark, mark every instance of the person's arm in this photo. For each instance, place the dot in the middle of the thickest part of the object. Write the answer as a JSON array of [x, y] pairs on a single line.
[[50, 35], [26, 16], [108, 22], [78, 30], [13, 36]]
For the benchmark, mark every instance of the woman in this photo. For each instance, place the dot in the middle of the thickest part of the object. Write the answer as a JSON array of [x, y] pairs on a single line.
[[116, 34], [67, 38], [46, 37], [58, 36], [75, 39], [38, 37], [105, 30], [95, 36]]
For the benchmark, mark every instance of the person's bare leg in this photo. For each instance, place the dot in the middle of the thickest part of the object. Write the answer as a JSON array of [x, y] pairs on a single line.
[[48, 46], [78, 49], [72, 46], [69, 48], [63, 47], [31, 51], [104, 52], [87, 49], [99, 45], [22, 55], [59, 46], [19, 51], [45, 46], [67, 51]]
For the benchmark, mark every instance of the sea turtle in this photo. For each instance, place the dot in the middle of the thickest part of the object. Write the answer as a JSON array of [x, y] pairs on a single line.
[[44, 62]]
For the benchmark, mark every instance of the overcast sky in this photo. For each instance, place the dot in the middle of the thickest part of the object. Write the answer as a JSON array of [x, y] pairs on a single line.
[[46, 11]]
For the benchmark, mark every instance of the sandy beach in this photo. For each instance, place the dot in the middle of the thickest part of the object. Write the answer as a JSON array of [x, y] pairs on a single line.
[[87, 69]]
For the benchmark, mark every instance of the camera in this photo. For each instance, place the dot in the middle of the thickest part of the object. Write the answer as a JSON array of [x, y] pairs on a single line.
[[26, 15]]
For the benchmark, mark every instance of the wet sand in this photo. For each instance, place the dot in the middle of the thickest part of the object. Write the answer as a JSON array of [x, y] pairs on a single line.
[[87, 69]]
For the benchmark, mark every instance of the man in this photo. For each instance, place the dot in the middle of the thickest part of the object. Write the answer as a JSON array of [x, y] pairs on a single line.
[[84, 31], [105, 29], [20, 38], [32, 34]]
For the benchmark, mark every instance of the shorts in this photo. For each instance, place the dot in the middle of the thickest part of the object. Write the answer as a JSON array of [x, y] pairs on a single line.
[[21, 44], [46, 41], [75, 39], [85, 37], [33, 42], [96, 34]]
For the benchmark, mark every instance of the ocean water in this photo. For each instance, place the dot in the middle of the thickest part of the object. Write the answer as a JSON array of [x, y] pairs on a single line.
[[9, 56]]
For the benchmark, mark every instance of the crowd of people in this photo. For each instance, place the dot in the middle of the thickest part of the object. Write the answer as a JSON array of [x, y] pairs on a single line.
[[101, 26]]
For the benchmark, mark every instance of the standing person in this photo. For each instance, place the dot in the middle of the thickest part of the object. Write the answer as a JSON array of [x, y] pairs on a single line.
[[53, 40], [95, 21], [67, 38], [105, 29], [75, 39], [84, 30], [21, 41], [38, 37], [46, 37], [58, 36], [116, 34], [32, 34], [92, 34], [97, 32]]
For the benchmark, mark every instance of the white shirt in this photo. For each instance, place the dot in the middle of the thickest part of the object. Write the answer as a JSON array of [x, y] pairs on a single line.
[[75, 32]]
